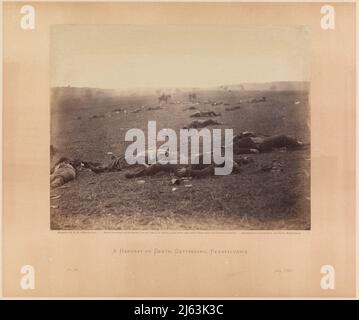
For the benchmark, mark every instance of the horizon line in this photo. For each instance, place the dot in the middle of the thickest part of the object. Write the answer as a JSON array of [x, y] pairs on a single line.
[[182, 87]]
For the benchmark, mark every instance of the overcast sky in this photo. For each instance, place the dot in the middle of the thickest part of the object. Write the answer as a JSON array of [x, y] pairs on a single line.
[[125, 57]]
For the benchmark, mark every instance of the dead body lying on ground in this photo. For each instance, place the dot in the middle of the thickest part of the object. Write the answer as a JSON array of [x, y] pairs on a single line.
[[62, 169], [199, 114], [248, 142], [199, 169], [196, 124], [137, 110], [65, 170], [257, 100], [244, 143], [154, 108], [233, 108], [190, 108]]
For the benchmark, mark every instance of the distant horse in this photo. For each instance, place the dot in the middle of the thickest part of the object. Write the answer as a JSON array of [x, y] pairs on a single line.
[[192, 97], [164, 98]]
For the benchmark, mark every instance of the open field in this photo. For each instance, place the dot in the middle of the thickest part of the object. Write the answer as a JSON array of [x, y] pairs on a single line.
[[87, 127]]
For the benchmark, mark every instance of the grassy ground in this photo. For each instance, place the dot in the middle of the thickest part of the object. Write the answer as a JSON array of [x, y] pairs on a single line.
[[253, 199]]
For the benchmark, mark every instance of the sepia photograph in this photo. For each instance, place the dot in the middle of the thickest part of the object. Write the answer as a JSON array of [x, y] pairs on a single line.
[[179, 150], [179, 128]]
